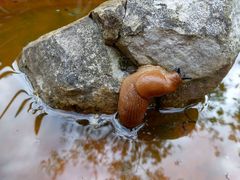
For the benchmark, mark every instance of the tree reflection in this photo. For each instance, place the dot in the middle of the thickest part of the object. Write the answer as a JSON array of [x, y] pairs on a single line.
[[55, 165], [122, 158]]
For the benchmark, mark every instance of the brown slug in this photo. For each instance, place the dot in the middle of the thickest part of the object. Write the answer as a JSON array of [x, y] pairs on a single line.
[[138, 89]]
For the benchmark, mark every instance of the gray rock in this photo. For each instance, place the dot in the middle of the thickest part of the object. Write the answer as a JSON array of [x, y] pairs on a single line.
[[73, 68], [110, 16], [200, 37]]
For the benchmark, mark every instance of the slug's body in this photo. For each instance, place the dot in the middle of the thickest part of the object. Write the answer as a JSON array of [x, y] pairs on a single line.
[[138, 89]]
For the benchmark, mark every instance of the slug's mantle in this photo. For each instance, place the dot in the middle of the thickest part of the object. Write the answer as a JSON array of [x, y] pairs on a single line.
[[81, 66]]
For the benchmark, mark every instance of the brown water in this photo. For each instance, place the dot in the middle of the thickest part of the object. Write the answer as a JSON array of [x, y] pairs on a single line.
[[39, 143]]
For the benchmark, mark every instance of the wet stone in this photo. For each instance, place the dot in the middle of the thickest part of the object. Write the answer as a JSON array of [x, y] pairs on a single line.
[[78, 67]]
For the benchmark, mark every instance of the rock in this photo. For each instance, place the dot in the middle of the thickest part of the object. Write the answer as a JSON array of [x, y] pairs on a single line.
[[72, 68], [200, 37], [110, 16]]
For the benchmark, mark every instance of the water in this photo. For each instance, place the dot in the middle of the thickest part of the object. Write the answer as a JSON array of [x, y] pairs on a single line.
[[40, 143]]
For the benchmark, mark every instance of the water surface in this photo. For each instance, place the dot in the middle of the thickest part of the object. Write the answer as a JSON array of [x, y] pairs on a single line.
[[40, 143]]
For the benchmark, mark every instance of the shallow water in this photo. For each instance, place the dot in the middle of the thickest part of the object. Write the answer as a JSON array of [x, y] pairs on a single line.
[[37, 142]]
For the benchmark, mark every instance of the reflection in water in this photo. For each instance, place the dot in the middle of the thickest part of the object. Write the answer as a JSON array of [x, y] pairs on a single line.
[[169, 125], [7, 73], [38, 122], [22, 106], [11, 101], [200, 142], [105, 156]]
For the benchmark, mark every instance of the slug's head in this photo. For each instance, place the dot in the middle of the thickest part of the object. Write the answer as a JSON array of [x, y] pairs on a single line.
[[155, 81], [173, 81], [181, 74]]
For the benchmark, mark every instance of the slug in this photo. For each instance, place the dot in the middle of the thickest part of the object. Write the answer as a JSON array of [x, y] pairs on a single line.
[[139, 88]]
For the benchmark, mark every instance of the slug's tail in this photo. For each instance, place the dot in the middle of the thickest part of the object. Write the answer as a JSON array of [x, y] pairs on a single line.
[[131, 108]]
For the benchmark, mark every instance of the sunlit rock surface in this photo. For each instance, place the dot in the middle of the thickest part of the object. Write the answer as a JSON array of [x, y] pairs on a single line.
[[72, 68]]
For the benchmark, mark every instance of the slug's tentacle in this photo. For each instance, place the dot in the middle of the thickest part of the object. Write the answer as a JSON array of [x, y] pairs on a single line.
[[181, 74], [138, 89]]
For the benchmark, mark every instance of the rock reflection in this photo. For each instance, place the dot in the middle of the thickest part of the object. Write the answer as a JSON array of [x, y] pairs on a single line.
[[169, 125]]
